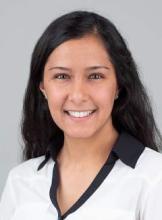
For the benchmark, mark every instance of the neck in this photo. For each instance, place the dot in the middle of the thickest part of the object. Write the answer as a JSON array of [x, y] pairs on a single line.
[[90, 150]]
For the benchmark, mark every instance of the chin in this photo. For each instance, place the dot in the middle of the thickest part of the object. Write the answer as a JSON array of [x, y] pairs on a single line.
[[79, 135]]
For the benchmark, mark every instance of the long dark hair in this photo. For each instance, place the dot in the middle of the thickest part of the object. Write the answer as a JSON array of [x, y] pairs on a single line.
[[132, 110]]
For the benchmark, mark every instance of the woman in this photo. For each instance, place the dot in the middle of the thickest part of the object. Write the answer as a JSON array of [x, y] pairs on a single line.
[[91, 142]]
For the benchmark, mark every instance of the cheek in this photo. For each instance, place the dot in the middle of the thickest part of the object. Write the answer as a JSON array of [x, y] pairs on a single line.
[[55, 99], [106, 95], [55, 103]]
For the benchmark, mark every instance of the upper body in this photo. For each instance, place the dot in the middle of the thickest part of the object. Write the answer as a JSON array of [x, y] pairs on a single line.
[[128, 186], [83, 100]]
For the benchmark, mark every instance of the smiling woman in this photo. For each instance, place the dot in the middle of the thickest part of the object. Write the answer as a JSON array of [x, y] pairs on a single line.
[[74, 90], [91, 142]]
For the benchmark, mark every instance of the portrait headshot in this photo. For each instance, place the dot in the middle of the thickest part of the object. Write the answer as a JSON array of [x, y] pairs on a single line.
[[82, 129]]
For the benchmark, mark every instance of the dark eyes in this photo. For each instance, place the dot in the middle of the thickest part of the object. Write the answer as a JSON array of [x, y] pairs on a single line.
[[65, 76]]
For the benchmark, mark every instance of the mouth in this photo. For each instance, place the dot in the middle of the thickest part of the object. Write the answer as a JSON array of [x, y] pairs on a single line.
[[79, 115]]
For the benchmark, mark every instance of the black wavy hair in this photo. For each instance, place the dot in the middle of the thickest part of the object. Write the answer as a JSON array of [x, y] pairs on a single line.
[[131, 112]]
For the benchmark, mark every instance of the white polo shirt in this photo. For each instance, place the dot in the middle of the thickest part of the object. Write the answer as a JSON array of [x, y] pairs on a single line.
[[128, 187]]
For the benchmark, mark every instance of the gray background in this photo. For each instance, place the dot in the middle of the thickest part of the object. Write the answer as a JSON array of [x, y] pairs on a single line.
[[21, 24]]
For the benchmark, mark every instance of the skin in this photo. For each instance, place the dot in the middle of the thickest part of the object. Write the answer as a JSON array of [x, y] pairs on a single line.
[[78, 88]]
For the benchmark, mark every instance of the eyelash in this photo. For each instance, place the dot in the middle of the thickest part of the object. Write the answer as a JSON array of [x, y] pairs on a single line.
[[63, 74]]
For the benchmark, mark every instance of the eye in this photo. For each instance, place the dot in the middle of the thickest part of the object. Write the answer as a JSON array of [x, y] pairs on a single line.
[[61, 76], [97, 76]]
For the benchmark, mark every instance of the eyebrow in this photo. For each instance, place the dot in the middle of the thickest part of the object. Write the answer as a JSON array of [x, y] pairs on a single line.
[[87, 68]]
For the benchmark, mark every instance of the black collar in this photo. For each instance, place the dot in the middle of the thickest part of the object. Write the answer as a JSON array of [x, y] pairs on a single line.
[[128, 149]]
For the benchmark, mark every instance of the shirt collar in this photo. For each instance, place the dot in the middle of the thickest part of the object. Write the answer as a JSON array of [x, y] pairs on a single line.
[[128, 149]]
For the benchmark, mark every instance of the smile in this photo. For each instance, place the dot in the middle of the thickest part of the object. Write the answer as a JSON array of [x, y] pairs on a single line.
[[80, 114]]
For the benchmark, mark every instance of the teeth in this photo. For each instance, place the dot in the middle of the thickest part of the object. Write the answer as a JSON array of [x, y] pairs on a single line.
[[79, 114]]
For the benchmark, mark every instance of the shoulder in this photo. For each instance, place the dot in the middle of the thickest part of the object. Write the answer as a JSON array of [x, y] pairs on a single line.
[[29, 169], [149, 165], [24, 183], [149, 169]]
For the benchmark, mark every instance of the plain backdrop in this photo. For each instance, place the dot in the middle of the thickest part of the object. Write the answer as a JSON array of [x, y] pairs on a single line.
[[21, 24]]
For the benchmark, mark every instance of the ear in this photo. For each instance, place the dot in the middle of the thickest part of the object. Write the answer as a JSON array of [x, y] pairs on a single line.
[[117, 94], [41, 87]]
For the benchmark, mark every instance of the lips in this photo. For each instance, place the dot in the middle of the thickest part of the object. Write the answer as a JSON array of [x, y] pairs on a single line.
[[80, 116], [67, 111]]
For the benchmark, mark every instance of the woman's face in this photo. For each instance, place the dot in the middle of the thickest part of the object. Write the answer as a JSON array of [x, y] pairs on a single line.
[[79, 77]]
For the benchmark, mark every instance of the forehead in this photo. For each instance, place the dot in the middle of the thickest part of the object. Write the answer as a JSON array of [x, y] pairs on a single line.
[[88, 49]]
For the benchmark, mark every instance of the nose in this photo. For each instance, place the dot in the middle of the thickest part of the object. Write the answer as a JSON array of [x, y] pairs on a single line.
[[78, 92]]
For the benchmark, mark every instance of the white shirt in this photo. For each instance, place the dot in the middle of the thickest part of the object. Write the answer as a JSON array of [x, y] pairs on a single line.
[[130, 190]]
